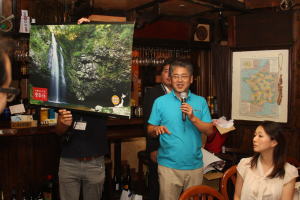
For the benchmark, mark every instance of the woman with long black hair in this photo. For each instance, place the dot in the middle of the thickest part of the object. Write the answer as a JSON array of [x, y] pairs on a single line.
[[266, 175]]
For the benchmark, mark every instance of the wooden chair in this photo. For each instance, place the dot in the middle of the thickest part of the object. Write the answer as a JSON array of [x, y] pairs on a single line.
[[229, 175], [202, 192]]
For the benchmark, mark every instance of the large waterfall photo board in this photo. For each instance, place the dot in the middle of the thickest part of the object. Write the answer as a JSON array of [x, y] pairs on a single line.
[[83, 67]]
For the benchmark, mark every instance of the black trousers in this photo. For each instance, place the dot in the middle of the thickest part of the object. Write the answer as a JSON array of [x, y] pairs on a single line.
[[153, 184]]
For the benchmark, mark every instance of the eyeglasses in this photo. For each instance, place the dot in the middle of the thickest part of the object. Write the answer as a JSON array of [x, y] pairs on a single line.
[[177, 77], [11, 93]]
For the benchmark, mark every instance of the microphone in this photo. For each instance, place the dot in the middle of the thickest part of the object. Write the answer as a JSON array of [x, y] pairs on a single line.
[[183, 96]]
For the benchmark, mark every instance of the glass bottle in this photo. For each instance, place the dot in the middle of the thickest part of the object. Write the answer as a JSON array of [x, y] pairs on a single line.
[[116, 184], [215, 103], [24, 195], [39, 196], [48, 192], [13, 195], [1, 194]]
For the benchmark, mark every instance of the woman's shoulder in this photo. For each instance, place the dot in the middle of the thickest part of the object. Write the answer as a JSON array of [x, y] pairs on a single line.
[[244, 166], [290, 170], [245, 161]]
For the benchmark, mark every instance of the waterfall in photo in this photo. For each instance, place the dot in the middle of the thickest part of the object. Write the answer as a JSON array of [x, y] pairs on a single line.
[[62, 76], [56, 66]]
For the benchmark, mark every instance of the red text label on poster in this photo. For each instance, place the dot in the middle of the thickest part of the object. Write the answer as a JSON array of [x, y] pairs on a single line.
[[40, 94]]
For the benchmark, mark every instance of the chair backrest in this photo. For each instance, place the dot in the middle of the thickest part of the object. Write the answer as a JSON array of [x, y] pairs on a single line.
[[202, 192], [229, 175]]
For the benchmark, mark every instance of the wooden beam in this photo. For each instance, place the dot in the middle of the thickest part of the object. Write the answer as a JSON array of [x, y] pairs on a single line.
[[206, 3], [147, 5], [252, 4], [229, 4], [105, 18]]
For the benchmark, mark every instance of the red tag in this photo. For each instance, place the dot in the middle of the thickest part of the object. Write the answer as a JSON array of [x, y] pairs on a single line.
[[40, 94]]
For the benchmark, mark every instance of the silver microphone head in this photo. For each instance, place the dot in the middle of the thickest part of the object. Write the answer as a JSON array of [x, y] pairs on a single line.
[[183, 95]]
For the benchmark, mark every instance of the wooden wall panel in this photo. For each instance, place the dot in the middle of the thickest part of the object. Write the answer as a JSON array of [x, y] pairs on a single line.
[[264, 28], [164, 29], [295, 72], [202, 62]]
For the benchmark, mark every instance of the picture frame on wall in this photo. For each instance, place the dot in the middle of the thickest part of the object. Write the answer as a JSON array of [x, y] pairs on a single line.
[[260, 85]]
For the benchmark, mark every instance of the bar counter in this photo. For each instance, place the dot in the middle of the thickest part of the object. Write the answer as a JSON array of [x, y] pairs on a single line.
[[116, 129]]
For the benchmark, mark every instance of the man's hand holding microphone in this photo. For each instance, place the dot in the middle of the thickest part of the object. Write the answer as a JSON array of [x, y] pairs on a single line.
[[186, 109]]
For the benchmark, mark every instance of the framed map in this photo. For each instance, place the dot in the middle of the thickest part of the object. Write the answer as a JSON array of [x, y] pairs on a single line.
[[260, 85]]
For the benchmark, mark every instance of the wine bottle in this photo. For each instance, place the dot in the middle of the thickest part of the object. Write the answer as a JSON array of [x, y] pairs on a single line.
[[24, 195], [216, 111], [39, 196], [129, 178], [126, 179], [1, 194], [48, 192], [13, 195], [116, 184]]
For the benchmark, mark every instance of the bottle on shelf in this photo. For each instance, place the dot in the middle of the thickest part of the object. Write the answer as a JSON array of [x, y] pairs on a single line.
[[212, 110], [24, 195], [116, 184], [13, 195], [48, 191], [126, 178], [1, 194], [209, 102], [215, 108], [39, 196]]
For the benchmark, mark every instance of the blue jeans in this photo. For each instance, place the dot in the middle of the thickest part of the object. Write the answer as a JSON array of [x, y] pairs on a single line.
[[74, 173]]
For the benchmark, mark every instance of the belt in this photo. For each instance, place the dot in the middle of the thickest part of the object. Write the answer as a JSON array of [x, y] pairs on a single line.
[[87, 158]]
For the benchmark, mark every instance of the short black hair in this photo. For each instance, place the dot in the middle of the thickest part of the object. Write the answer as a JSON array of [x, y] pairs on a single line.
[[182, 63]]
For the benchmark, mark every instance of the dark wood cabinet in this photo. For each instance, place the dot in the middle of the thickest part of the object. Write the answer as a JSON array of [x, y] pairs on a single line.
[[28, 155], [27, 158]]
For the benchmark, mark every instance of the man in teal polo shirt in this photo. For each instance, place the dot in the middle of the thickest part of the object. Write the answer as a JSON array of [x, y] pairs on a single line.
[[179, 155]]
